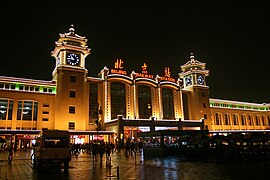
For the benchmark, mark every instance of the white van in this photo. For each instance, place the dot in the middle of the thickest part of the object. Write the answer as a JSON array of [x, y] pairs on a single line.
[[53, 146]]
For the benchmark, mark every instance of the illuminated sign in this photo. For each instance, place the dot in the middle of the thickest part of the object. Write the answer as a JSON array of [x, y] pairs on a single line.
[[144, 68], [167, 75], [118, 66], [144, 73], [167, 72]]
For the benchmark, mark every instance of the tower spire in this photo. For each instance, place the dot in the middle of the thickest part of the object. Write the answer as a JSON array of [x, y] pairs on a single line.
[[72, 29], [192, 57]]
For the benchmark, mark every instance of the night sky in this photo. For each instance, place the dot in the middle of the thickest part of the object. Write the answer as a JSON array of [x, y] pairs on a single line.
[[231, 38]]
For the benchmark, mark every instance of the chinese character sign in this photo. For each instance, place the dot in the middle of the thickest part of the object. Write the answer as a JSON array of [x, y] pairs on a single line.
[[118, 64]]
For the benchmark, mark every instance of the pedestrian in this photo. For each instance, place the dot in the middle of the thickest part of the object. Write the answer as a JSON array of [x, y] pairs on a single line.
[[132, 148], [94, 150], [140, 146], [127, 146], [10, 155], [101, 150], [108, 149]]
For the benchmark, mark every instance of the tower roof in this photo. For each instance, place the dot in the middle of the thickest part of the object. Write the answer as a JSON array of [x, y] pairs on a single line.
[[193, 66], [192, 63], [71, 40]]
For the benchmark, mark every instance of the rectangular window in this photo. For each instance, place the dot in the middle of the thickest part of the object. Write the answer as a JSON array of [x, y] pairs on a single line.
[[32, 88], [268, 120], [1, 86], [50, 90], [45, 112], [45, 119], [204, 105], [13, 86], [72, 94], [19, 111], [71, 109], [26, 88], [7, 86], [73, 78], [21, 87], [45, 89], [205, 116], [27, 110], [3, 109], [35, 111], [10, 109], [71, 125], [36, 88], [46, 105]]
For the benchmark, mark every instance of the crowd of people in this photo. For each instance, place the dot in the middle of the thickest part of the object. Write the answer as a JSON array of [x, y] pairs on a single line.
[[101, 148]]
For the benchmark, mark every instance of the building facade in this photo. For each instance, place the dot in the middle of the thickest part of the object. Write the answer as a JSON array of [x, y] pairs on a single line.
[[118, 101]]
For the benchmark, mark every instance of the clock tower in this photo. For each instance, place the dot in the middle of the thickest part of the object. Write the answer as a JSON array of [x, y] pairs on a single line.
[[195, 90], [70, 75]]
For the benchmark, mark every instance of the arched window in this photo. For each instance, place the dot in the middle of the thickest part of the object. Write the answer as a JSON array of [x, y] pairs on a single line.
[[243, 119], [235, 119], [217, 119], [250, 120], [227, 119], [145, 103], [167, 103], [118, 99], [257, 120]]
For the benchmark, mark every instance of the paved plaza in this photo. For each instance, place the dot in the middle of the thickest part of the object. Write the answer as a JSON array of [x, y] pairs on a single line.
[[171, 168], [83, 167]]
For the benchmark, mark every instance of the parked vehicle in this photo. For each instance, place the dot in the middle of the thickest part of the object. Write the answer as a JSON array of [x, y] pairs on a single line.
[[53, 147]]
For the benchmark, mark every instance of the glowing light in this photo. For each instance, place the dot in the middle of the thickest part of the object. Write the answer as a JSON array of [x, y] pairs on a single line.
[[118, 64]]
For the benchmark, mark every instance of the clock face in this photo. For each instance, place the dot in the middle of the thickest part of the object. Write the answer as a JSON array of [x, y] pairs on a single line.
[[200, 80], [188, 81], [73, 59]]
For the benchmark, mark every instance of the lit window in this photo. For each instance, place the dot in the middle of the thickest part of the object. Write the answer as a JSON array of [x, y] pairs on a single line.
[[72, 109], [71, 125]]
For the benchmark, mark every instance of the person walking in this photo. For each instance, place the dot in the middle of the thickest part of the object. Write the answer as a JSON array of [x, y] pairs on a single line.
[[108, 149], [10, 150], [101, 150], [127, 146], [132, 149], [94, 150]]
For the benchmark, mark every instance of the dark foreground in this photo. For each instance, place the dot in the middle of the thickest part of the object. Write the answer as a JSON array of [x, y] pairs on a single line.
[[170, 167]]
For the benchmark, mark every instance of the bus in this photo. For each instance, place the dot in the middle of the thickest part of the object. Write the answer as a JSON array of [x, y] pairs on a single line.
[[52, 147]]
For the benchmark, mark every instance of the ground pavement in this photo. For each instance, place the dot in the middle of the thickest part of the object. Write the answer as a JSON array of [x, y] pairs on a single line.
[[83, 167]]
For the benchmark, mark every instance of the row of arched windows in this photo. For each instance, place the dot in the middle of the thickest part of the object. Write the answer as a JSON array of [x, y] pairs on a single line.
[[144, 96], [242, 120]]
